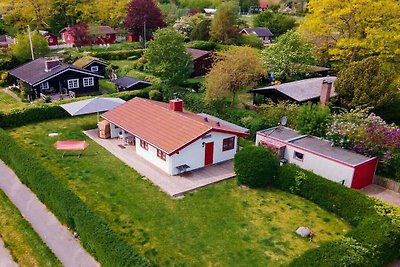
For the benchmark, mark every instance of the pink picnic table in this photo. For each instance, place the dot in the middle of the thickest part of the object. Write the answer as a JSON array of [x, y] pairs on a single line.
[[71, 146]]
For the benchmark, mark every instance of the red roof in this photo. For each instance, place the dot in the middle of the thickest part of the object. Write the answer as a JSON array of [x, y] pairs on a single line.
[[163, 128]]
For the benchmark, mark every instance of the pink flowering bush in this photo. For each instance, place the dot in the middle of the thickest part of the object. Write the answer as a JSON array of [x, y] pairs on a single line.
[[367, 134]]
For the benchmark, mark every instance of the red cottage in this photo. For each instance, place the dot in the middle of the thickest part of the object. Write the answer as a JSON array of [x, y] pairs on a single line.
[[52, 40], [101, 34]]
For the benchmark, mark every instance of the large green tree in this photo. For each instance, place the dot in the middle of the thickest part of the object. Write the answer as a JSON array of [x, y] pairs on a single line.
[[369, 82], [356, 29], [289, 56], [224, 26], [167, 57], [21, 49], [278, 23], [234, 70], [313, 119]]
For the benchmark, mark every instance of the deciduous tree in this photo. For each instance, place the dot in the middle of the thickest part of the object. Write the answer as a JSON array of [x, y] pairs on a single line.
[[167, 57], [278, 23], [289, 56], [353, 30], [80, 33], [369, 82], [224, 26], [313, 119], [141, 12], [21, 49], [234, 70]]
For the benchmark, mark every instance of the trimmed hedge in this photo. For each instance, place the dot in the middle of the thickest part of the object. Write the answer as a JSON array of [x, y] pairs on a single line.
[[43, 112], [376, 225], [119, 55], [97, 237]]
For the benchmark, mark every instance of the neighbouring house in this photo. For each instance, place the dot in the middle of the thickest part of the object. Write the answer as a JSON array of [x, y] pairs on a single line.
[[127, 83], [50, 76], [314, 89], [319, 156], [133, 37], [92, 64], [202, 61], [101, 35], [263, 33], [210, 11], [172, 138], [6, 41], [52, 40]]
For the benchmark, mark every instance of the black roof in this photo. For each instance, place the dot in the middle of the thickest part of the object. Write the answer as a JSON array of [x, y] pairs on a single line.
[[127, 81], [259, 31], [34, 72]]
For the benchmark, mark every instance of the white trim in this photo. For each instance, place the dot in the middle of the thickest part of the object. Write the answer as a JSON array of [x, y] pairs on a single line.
[[61, 72], [72, 82], [96, 61], [89, 81], [94, 68], [44, 86]]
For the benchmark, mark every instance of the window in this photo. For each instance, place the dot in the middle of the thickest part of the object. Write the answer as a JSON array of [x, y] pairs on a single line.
[[88, 82], [228, 143], [94, 68], [44, 86], [73, 83], [144, 145], [162, 155], [298, 156]]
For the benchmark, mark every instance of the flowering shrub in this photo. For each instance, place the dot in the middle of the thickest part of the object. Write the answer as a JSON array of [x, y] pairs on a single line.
[[367, 134]]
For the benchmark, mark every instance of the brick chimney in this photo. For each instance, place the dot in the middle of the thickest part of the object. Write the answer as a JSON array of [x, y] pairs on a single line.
[[176, 104], [325, 92], [51, 64]]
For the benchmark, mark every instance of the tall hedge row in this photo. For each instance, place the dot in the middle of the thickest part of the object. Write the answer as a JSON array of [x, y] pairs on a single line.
[[43, 112], [119, 55], [97, 237], [375, 238]]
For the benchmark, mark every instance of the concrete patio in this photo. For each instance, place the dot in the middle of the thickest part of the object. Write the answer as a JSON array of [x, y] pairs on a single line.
[[383, 194], [172, 185]]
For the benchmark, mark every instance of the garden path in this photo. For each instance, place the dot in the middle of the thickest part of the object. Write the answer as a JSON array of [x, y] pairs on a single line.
[[5, 256], [11, 93], [57, 237]]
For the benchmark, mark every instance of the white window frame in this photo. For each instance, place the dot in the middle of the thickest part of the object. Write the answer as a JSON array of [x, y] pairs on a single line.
[[94, 68], [73, 83], [88, 81], [44, 86]]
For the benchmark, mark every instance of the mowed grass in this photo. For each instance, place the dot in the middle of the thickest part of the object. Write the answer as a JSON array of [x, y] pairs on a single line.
[[220, 225], [7, 102], [21, 240]]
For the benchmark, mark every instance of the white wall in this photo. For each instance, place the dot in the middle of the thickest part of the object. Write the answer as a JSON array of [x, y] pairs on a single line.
[[114, 130], [151, 155], [324, 167], [193, 155]]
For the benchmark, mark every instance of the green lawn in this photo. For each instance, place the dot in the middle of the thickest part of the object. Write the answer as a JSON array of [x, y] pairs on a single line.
[[7, 102], [24, 244], [107, 86], [220, 225]]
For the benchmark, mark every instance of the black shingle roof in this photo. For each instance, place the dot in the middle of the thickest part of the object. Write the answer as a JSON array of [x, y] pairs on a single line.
[[34, 71], [127, 81]]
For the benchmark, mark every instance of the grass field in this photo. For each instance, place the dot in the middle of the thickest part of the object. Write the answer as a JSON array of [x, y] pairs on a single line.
[[220, 225], [7, 102], [24, 244]]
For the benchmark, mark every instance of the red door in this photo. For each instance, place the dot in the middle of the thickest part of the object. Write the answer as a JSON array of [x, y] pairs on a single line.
[[209, 154]]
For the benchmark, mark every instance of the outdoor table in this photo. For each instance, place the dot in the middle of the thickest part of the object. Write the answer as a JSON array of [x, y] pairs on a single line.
[[71, 146]]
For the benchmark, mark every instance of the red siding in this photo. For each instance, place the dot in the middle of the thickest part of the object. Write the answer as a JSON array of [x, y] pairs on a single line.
[[106, 39], [209, 154], [364, 174], [68, 38], [133, 38], [52, 40]]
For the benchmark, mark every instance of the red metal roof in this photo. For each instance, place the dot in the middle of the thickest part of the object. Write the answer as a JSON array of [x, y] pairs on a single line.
[[163, 128]]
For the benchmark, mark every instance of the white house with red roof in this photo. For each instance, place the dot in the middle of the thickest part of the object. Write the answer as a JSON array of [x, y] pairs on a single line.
[[172, 138]]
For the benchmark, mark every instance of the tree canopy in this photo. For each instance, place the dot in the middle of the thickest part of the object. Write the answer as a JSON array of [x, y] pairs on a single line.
[[353, 30], [313, 119], [167, 57], [369, 82], [234, 70], [224, 26], [278, 23], [21, 49], [289, 56]]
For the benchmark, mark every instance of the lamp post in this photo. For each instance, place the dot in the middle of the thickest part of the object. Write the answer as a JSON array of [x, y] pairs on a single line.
[[30, 42], [144, 33]]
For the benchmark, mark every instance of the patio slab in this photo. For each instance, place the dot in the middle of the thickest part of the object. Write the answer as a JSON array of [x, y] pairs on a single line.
[[173, 185], [383, 194]]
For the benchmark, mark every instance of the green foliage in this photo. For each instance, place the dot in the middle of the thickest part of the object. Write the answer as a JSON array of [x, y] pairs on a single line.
[[21, 49], [119, 55], [201, 31], [375, 238], [377, 91], [273, 112], [202, 45], [278, 23], [224, 26], [95, 234], [255, 166], [8, 62], [313, 119], [155, 95], [289, 56], [251, 40], [167, 57]]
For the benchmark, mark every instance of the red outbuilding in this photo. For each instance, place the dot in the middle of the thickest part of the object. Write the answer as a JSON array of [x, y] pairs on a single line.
[[100, 34]]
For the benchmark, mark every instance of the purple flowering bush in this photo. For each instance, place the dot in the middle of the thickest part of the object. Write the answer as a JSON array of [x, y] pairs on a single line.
[[368, 134]]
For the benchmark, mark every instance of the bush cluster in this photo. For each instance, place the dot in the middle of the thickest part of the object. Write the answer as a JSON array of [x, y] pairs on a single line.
[[119, 55], [43, 112], [96, 235], [202, 45], [375, 238]]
